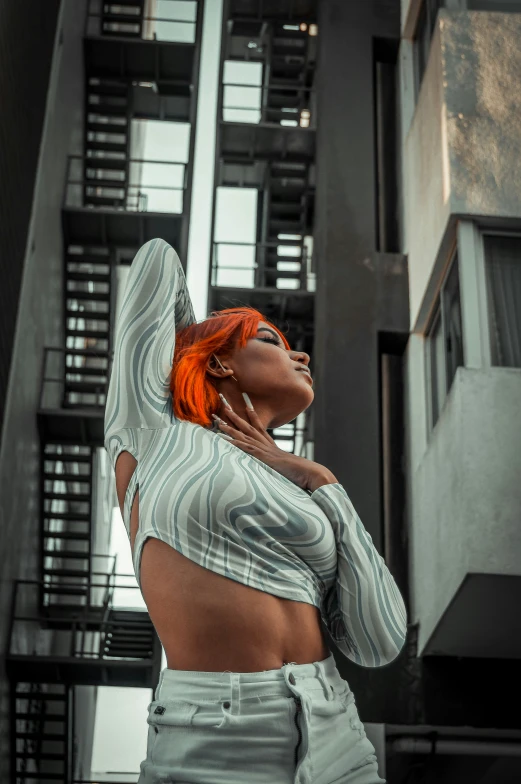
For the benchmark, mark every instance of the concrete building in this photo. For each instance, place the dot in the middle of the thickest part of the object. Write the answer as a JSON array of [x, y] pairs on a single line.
[[382, 140]]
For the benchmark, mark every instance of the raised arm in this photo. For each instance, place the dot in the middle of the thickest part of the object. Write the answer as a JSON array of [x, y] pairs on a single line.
[[156, 302], [364, 611]]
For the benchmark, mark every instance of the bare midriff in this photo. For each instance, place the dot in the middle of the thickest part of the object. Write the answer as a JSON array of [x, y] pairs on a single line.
[[211, 623]]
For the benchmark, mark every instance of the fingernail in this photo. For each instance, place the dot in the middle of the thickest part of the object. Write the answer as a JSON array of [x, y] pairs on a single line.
[[248, 401], [225, 401], [218, 419]]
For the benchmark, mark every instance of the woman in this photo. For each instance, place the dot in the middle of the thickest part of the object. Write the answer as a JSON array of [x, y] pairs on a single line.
[[247, 547]]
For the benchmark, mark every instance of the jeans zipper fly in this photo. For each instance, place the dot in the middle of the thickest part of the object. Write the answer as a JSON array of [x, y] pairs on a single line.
[[298, 706]]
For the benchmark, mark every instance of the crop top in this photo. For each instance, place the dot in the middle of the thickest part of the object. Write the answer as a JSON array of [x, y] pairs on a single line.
[[224, 509]]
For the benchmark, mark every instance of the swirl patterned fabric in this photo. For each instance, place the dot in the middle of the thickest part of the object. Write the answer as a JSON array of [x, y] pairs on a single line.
[[227, 510]]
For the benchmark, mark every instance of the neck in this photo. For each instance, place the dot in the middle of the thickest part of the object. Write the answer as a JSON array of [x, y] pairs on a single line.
[[233, 395]]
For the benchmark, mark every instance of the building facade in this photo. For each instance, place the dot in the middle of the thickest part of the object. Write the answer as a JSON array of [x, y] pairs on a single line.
[[381, 142]]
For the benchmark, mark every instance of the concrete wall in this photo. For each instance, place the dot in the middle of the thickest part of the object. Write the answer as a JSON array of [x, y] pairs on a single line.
[[462, 151], [465, 493], [39, 323]]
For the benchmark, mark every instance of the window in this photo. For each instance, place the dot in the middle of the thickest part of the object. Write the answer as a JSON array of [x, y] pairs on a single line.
[[423, 36], [503, 281], [445, 341]]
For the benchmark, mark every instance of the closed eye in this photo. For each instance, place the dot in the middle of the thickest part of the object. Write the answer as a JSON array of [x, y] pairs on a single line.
[[270, 340]]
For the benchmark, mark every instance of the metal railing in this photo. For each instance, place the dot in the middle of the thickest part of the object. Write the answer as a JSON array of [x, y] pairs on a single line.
[[149, 185], [74, 632], [61, 366], [254, 267], [285, 105], [122, 20]]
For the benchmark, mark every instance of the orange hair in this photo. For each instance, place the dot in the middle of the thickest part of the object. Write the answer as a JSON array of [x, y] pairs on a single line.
[[195, 397]]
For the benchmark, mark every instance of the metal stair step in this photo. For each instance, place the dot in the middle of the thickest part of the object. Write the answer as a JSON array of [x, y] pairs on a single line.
[[43, 695], [38, 736], [89, 258], [52, 495], [87, 333], [107, 87], [110, 164], [107, 146], [78, 517], [89, 277], [89, 296], [88, 314], [70, 535], [86, 371], [67, 477], [67, 590], [81, 573], [66, 554], [108, 127], [106, 108], [104, 201], [84, 386]]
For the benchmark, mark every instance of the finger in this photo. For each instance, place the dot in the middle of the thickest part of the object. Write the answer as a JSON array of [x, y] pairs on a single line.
[[244, 426], [232, 431], [258, 426]]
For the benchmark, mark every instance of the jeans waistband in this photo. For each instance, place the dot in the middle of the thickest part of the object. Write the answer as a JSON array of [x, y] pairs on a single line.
[[214, 686]]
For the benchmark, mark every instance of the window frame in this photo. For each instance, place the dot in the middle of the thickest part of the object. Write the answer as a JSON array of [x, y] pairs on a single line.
[[439, 314], [485, 301]]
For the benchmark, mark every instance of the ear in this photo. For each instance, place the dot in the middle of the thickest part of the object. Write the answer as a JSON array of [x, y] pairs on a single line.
[[214, 369]]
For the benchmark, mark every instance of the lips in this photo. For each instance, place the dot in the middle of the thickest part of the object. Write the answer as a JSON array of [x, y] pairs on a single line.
[[306, 371]]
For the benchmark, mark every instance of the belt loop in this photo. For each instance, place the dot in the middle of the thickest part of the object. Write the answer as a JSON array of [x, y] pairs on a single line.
[[158, 687], [323, 678], [236, 693]]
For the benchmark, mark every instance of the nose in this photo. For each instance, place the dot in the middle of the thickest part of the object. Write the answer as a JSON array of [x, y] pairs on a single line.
[[301, 356]]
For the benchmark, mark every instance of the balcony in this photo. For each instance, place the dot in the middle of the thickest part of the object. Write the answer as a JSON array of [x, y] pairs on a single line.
[[465, 579], [266, 122], [129, 41], [73, 392], [299, 10], [99, 643], [110, 200]]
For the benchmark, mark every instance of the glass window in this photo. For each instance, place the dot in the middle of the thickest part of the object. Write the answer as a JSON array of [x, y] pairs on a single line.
[[445, 341], [503, 280]]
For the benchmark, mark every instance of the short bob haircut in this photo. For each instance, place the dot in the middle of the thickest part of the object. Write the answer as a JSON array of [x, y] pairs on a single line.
[[195, 397]]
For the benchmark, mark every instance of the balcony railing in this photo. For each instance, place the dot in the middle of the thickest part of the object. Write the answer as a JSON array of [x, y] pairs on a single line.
[[285, 105], [176, 24], [142, 186], [98, 631], [74, 377], [280, 264]]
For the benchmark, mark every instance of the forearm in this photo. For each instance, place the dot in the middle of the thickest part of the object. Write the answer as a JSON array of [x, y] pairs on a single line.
[[365, 610]]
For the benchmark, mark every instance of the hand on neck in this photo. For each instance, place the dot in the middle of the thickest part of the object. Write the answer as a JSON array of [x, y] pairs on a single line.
[[233, 394]]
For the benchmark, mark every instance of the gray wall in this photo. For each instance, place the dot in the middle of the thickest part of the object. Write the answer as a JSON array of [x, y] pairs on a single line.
[[361, 296], [27, 29], [462, 152], [39, 321]]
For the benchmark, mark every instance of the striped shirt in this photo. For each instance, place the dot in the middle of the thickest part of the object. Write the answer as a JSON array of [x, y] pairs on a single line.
[[223, 508]]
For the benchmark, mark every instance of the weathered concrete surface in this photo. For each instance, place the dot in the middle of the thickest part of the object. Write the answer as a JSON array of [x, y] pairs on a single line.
[[462, 153], [465, 507]]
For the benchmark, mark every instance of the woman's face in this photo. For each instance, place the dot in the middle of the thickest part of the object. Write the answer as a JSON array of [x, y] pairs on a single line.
[[274, 376]]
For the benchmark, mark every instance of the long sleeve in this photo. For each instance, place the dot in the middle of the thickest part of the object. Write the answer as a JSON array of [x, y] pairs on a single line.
[[363, 611], [156, 302]]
